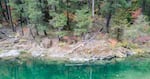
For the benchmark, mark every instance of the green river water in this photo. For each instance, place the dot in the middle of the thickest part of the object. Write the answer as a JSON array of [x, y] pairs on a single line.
[[130, 68]]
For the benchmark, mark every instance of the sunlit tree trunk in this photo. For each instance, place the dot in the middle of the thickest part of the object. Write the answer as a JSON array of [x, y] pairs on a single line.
[[93, 5]]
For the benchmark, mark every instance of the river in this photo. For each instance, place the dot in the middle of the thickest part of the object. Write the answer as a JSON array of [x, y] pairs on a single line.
[[136, 67]]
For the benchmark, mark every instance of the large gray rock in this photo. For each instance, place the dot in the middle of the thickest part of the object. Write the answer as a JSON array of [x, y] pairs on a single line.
[[37, 53], [11, 53], [130, 53]]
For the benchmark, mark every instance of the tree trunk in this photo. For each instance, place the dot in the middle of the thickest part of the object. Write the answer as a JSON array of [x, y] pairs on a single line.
[[108, 17], [93, 5], [9, 14], [3, 12], [21, 21], [45, 11], [37, 32], [45, 33], [143, 5], [68, 20], [6, 8], [108, 21], [31, 33], [89, 4]]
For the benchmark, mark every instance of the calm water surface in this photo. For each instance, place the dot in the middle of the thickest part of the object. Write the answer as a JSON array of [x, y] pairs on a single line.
[[131, 68]]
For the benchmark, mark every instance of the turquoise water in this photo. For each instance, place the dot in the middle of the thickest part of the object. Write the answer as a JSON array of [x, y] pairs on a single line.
[[130, 68]]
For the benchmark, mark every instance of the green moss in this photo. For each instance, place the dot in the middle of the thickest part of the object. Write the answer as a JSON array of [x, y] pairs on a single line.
[[23, 52], [127, 44]]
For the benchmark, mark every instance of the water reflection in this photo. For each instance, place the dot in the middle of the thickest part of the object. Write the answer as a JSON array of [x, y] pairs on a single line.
[[128, 69]]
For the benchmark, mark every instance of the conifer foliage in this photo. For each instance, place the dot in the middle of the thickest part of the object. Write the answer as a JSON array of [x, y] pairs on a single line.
[[62, 16]]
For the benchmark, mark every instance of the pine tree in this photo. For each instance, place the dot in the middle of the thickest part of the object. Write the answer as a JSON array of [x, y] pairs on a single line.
[[109, 8]]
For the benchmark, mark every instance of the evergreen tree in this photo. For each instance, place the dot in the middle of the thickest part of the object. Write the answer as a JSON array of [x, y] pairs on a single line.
[[109, 8]]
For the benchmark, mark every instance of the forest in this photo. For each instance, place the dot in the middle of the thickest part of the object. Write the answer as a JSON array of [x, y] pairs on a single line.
[[88, 26]]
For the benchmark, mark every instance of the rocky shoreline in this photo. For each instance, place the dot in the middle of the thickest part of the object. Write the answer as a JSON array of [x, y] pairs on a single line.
[[82, 51], [90, 51]]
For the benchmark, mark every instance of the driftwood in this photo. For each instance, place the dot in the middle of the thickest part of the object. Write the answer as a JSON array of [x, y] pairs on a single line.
[[82, 44], [76, 47]]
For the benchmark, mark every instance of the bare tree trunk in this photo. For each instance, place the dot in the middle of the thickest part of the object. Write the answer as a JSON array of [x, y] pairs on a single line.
[[93, 5]]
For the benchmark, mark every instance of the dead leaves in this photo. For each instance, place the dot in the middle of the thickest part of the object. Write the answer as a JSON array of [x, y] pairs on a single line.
[[113, 42]]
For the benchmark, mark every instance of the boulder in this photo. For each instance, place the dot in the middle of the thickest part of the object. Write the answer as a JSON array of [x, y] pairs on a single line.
[[47, 42], [37, 53], [130, 53]]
